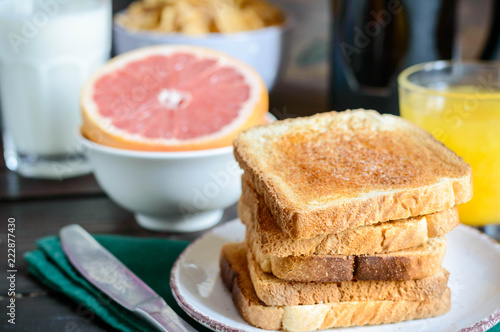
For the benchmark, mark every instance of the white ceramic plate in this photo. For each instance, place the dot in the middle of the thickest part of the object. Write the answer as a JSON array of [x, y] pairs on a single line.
[[472, 259]]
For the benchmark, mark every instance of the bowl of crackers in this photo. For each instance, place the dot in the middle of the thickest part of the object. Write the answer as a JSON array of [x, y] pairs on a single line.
[[250, 30]]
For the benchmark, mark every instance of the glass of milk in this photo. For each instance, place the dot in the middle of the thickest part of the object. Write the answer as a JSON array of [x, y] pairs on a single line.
[[48, 49]]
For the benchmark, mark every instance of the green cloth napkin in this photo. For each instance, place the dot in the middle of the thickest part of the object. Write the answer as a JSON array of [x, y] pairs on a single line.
[[150, 259]]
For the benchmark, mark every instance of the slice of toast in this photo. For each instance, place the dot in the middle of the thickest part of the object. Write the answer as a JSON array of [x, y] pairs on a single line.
[[332, 171], [274, 291], [364, 240], [414, 263], [235, 275]]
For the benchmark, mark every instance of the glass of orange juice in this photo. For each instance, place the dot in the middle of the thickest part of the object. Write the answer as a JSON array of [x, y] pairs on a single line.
[[459, 103]]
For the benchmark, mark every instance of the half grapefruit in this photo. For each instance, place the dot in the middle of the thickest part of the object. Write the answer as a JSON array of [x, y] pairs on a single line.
[[172, 98]]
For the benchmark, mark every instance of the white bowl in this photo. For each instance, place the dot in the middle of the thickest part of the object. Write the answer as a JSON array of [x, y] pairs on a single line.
[[262, 49], [168, 191]]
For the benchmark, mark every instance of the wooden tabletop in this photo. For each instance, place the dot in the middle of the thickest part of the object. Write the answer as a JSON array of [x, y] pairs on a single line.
[[42, 207]]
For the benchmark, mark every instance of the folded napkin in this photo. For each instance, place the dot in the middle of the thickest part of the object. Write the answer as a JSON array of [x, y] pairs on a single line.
[[150, 259]]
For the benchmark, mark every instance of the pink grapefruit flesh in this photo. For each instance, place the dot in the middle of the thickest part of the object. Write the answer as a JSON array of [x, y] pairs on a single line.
[[172, 98]]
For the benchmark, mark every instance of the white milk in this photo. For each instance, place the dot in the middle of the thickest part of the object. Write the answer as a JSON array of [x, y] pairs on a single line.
[[47, 51]]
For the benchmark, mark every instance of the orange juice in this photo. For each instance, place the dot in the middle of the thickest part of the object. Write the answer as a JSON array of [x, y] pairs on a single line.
[[467, 120]]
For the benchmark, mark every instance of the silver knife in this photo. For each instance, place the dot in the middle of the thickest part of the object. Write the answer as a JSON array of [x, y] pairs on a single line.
[[107, 273]]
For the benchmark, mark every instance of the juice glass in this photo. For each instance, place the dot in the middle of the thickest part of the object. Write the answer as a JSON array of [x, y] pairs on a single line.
[[459, 103]]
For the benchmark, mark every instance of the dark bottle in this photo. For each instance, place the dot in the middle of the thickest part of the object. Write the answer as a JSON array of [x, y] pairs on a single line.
[[373, 40]]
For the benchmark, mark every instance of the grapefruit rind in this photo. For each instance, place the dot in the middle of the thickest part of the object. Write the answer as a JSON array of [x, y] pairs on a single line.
[[100, 130]]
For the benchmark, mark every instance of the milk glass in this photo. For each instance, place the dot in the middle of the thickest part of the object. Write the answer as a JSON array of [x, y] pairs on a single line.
[[48, 49]]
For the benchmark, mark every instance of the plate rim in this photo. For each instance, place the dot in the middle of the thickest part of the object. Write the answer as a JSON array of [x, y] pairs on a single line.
[[188, 308], [482, 325], [494, 318]]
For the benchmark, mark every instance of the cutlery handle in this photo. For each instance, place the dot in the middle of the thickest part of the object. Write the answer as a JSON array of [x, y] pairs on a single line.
[[158, 313]]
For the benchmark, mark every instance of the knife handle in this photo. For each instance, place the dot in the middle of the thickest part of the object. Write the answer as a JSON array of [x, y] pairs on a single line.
[[158, 313]]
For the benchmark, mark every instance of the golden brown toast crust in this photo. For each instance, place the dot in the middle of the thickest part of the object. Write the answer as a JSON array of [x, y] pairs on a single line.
[[274, 291], [414, 263], [235, 275], [363, 240], [333, 171]]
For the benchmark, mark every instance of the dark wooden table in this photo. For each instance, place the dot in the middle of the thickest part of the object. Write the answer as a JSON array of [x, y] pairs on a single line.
[[42, 207]]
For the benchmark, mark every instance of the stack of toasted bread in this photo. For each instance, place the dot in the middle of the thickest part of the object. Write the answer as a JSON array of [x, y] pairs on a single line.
[[345, 218]]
